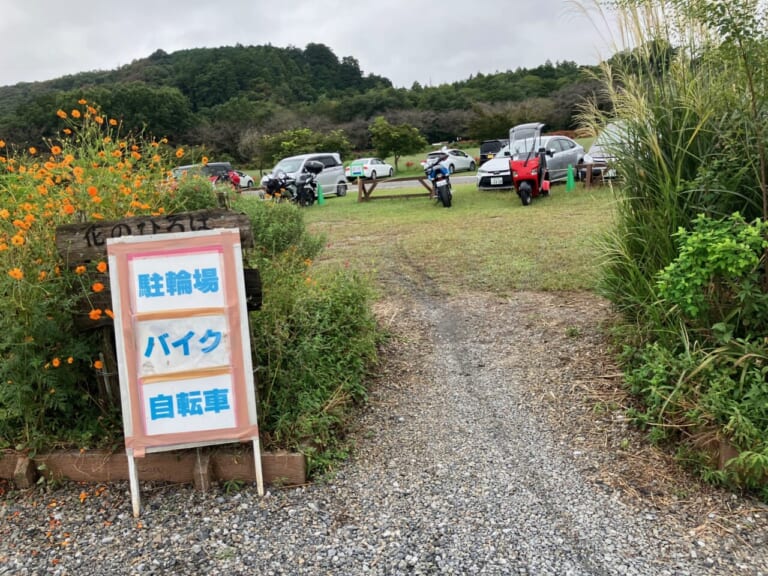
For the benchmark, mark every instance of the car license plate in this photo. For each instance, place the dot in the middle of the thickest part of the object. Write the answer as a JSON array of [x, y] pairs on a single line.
[[497, 181], [441, 182]]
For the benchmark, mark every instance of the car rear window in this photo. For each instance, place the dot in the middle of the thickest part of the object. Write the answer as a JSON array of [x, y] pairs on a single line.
[[491, 146]]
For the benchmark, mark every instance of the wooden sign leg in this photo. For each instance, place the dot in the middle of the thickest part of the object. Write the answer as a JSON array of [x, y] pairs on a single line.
[[257, 464], [133, 477]]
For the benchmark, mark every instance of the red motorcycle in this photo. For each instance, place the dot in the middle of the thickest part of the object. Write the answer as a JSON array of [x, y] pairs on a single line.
[[528, 164]]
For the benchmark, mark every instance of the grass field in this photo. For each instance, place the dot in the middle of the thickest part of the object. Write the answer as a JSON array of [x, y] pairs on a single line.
[[485, 241]]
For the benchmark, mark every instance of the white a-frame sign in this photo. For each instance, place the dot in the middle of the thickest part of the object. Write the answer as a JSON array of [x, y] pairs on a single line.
[[183, 346]]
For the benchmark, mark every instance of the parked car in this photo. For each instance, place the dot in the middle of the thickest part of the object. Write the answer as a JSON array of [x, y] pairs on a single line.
[[602, 153], [490, 148], [561, 152], [331, 178], [246, 180], [371, 168], [212, 170], [457, 160], [495, 173]]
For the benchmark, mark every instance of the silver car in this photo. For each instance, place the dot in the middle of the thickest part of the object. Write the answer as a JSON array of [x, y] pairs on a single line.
[[331, 178]]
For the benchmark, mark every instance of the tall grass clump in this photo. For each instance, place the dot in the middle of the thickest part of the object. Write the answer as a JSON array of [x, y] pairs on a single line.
[[315, 338], [686, 262]]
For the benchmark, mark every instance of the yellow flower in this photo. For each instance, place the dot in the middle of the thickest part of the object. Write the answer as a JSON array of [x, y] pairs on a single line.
[[16, 273], [4, 214]]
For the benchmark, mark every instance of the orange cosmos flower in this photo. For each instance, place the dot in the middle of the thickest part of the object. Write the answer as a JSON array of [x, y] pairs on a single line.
[[4, 214], [60, 113], [17, 240], [80, 270], [82, 101], [95, 314], [56, 150], [75, 113], [42, 276], [99, 119], [97, 287], [101, 267], [56, 362], [70, 360], [92, 191], [205, 160], [109, 313], [98, 364], [32, 150], [179, 153], [2, 143], [16, 273], [112, 122], [67, 131], [68, 209]]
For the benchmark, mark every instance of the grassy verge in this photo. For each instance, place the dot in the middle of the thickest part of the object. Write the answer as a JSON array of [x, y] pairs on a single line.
[[486, 241]]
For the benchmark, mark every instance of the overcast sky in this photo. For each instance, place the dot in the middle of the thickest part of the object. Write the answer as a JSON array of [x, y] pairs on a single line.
[[432, 42]]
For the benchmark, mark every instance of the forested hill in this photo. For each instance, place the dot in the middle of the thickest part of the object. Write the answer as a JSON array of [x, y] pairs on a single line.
[[211, 96]]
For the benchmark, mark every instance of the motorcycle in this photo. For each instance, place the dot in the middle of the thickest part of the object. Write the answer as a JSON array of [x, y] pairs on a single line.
[[439, 176], [301, 190], [528, 164]]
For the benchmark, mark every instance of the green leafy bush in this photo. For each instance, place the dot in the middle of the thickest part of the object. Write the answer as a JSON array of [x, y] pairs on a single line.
[[315, 338], [713, 378]]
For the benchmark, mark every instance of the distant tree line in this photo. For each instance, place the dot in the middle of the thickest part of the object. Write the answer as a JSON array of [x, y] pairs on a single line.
[[233, 101]]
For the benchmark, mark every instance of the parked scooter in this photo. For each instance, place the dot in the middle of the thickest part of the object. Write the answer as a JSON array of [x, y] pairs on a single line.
[[439, 176], [301, 190], [529, 162]]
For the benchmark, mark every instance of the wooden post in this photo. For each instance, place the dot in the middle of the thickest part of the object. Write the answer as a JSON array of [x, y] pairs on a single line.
[[25, 474]]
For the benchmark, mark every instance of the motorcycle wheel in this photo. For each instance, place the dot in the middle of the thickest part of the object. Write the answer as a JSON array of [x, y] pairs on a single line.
[[525, 193], [309, 198], [445, 196]]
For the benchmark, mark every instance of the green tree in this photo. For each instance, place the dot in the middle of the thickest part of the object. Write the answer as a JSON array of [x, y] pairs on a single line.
[[396, 140]]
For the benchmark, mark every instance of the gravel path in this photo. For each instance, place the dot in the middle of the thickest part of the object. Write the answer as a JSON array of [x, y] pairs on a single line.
[[476, 455]]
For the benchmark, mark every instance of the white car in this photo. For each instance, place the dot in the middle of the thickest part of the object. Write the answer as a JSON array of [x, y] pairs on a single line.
[[457, 160], [246, 181], [371, 168], [495, 173]]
